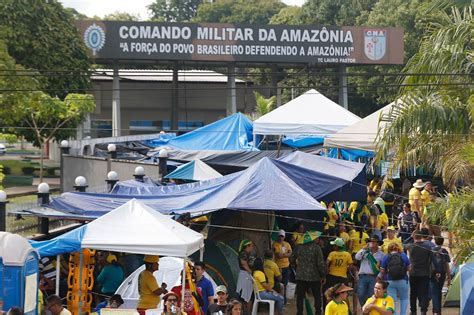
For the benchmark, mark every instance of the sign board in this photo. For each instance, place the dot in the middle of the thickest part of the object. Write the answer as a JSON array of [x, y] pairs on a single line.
[[113, 40]]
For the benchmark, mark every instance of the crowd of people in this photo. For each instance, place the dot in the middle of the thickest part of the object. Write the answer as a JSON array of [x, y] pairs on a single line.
[[369, 257]]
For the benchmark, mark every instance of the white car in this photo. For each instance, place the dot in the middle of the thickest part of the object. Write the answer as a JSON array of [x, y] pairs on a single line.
[[3, 149]]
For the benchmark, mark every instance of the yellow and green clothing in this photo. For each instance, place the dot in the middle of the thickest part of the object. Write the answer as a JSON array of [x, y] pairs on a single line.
[[282, 248], [146, 286], [385, 302], [387, 242], [414, 194], [271, 271], [338, 263], [358, 242], [259, 280], [336, 308]]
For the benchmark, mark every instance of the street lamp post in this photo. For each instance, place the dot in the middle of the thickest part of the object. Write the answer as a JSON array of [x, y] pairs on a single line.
[[112, 154], [64, 147], [162, 163], [43, 199], [112, 179], [80, 184], [139, 173]]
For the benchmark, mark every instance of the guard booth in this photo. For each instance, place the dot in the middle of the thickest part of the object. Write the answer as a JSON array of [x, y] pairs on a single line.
[[18, 273]]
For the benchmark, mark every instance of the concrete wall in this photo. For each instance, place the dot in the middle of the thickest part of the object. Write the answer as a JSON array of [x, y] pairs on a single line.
[[95, 170]]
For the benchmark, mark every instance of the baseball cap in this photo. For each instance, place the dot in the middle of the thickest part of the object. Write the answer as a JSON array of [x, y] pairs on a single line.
[[243, 244], [339, 242], [391, 228], [111, 258], [221, 288], [281, 233]]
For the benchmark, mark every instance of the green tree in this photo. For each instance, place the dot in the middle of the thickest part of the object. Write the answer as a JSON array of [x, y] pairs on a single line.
[[433, 123], [173, 10], [121, 16], [289, 16], [41, 35], [335, 12], [240, 11]]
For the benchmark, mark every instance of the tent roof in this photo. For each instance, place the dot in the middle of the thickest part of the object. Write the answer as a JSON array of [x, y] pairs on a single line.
[[309, 114], [361, 135], [130, 228], [267, 185], [194, 170], [14, 249], [231, 133]]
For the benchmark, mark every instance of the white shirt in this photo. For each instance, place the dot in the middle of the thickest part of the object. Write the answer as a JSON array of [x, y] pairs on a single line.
[[365, 265]]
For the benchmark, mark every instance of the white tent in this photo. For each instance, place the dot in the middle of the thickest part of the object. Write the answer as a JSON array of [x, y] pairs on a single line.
[[309, 114], [361, 135], [136, 228]]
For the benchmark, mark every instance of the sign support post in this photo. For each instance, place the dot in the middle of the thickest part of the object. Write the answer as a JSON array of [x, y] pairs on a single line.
[[174, 99], [116, 127], [231, 91], [343, 86]]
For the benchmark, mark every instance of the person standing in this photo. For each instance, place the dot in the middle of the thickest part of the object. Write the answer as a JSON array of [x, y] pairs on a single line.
[[395, 268], [338, 263], [442, 257], [380, 303], [148, 290], [408, 222], [421, 258], [171, 303], [220, 307], [337, 295], [244, 281], [310, 271], [111, 276], [370, 259], [283, 253], [391, 238], [207, 291], [414, 196]]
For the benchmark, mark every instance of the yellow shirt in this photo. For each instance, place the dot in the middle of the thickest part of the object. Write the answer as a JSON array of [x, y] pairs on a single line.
[[332, 214], [338, 263], [414, 194], [146, 286], [345, 237], [271, 271], [282, 248], [259, 279], [382, 220], [425, 197], [387, 242], [357, 242], [297, 238], [386, 303], [336, 308]]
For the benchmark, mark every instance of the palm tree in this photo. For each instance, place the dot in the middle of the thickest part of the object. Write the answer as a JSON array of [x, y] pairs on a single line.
[[263, 105], [433, 123]]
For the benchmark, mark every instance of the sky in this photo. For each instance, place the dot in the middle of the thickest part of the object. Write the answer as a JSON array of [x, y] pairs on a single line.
[[103, 7]]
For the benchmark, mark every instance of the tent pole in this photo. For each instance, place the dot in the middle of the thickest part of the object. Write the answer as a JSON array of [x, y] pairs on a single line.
[[255, 141], [183, 288], [201, 254], [80, 282], [279, 147], [58, 273]]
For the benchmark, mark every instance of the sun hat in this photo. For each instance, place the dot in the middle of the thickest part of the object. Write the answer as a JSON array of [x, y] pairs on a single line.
[[339, 242], [111, 258], [419, 183], [310, 236], [221, 288], [151, 259], [281, 233], [170, 293], [343, 288]]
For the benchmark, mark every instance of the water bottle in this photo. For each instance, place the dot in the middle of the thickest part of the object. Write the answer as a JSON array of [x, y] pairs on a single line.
[[173, 309]]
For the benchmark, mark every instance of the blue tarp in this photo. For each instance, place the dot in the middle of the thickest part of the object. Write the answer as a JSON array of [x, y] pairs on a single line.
[[302, 141], [267, 185], [354, 173], [350, 154], [467, 289], [66, 243], [129, 186], [231, 133], [194, 171]]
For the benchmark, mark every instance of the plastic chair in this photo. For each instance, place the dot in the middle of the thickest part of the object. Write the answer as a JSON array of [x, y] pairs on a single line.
[[258, 300]]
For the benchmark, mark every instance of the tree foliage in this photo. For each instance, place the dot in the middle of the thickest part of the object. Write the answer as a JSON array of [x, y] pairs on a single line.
[[433, 125], [173, 10], [121, 16], [288, 15], [41, 35], [240, 11], [335, 12]]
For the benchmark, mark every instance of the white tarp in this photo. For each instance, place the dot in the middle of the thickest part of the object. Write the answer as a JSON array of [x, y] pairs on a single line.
[[14, 249], [361, 135], [310, 114], [136, 228]]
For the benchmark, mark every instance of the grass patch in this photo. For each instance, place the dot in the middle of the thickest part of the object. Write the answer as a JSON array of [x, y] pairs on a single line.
[[22, 167]]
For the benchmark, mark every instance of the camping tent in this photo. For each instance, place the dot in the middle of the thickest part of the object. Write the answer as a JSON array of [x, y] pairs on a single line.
[[195, 170], [461, 291], [360, 135], [231, 133], [130, 228], [309, 114]]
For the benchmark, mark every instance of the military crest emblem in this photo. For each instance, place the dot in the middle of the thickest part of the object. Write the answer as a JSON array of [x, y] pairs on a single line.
[[94, 38], [375, 42]]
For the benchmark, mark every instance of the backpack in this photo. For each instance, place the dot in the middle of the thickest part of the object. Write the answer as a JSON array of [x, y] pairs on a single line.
[[396, 267], [440, 256]]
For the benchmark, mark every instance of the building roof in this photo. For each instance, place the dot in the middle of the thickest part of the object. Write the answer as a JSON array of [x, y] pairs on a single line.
[[162, 75]]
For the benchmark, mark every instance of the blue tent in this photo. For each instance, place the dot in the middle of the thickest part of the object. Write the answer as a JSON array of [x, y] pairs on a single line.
[[267, 185], [231, 133], [195, 170]]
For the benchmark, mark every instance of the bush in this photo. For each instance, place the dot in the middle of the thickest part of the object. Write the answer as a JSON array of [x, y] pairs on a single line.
[[7, 170], [28, 170]]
